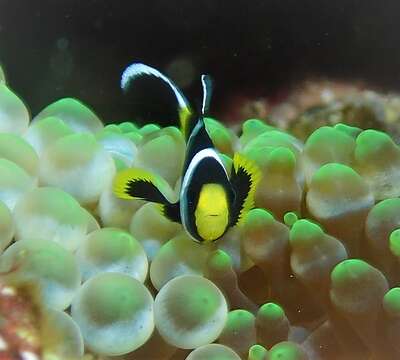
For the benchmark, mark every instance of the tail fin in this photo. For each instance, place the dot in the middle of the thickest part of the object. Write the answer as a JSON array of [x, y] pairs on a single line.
[[144, 84]]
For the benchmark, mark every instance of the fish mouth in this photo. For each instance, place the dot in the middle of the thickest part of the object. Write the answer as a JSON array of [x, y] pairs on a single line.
[[213, 215]]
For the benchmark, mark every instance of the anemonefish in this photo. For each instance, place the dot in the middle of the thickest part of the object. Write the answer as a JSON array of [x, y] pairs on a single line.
[[210, 201]]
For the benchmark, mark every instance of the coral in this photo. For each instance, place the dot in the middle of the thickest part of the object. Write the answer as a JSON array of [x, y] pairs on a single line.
[[311, 273], [30, 330], [20, 316]]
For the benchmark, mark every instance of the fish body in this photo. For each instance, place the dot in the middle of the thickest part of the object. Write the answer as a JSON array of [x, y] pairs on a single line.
[[210, 201]]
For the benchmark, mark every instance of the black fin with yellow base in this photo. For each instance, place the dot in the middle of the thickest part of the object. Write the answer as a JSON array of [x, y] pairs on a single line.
[[140, 184], [137, 183], [245, 177]]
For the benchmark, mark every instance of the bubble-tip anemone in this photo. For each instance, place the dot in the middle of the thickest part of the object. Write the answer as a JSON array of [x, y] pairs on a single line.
[[318, 203], [50, 213], [45, 132], [119, 146], [79, 165], [179, 256], [357, 287], [258, 352], [115, 212], [62, 336], [151, 237], [2, 76], [158, 149], [252, 128], [111, 250], [280, 189], [272, 325], [7, 228], [14, 182], [73, 113], [337, 189], [223, 138], [391, 302], [213, 352], [114, 312], [378, 161], [190, 311], [287, 350], [14, 116], [327, 145], [16, 149], [314, 253], [239, 332]]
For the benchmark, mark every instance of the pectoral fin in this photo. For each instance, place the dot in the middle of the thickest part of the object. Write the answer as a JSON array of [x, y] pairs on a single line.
[[141, 184], [137, 183], [245, 177]]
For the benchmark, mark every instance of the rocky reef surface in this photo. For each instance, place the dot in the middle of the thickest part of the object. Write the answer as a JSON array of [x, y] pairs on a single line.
[[313, 273]]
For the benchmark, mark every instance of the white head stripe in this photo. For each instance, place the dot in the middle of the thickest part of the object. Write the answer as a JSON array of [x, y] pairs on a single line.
[[137, 69], [209, 152]]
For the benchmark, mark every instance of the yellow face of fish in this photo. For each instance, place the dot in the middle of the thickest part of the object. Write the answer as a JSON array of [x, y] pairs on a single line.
[[212, 212]]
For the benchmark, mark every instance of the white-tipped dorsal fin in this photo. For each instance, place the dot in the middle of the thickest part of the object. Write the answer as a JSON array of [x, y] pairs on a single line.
[[206, 82], [136, 70]]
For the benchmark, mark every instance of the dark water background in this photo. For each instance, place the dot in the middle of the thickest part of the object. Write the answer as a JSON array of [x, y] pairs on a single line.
[[56, 48]]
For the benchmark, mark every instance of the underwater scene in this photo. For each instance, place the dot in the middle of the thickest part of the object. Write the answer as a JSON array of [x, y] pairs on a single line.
[[199, 181]]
